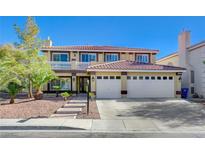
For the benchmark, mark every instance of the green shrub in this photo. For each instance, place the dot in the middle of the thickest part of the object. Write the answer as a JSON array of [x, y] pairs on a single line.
[[65, 95]]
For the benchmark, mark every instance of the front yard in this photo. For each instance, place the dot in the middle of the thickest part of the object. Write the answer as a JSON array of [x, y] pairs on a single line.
[[30, 108]]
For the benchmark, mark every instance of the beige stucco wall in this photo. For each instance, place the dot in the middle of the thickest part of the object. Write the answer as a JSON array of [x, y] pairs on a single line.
[[100, 57], [153, 58], [93, 83], [196, 59], [75, 56], [171, 61]]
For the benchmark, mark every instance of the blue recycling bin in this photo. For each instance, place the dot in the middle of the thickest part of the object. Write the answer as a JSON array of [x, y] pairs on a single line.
[[184, 92]]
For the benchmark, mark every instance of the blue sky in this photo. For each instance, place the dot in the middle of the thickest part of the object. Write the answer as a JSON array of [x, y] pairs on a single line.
[[145, 32]]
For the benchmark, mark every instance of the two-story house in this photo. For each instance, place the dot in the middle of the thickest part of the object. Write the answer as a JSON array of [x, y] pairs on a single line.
[[113, 72]]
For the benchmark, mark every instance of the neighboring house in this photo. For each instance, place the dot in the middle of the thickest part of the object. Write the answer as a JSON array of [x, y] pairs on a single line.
[[192, 58], [171, 60], [113, 72]]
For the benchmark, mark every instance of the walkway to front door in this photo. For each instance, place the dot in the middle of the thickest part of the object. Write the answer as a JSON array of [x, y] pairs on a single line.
[[72, 108]]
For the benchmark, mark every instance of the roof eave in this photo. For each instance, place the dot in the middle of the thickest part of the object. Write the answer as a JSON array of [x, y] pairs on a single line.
[[115, 70], [141, 51], [198, 45]]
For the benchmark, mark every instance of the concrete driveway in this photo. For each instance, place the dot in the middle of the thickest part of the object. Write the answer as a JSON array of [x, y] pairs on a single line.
[[155, 113]]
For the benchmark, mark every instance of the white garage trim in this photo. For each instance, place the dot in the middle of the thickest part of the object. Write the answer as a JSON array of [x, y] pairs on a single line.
[[150, 86], [108, 87]]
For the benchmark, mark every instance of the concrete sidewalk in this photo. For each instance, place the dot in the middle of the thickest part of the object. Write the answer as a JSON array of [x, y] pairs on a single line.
[[94, 128]]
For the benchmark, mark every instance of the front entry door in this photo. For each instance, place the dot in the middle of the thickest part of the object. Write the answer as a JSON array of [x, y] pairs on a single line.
[[83, 83]]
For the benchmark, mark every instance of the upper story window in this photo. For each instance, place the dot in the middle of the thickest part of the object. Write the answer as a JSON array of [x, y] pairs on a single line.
[[88, 57], [60, 57], [109, 57], [142, 58]]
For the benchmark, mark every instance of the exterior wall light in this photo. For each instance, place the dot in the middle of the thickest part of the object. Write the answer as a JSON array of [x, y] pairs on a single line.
[[93, 78], [73, 79]]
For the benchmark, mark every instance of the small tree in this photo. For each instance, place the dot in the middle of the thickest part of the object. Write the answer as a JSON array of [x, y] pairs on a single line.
[[30, 44], [13, 89], [12, 71], [41, 75]]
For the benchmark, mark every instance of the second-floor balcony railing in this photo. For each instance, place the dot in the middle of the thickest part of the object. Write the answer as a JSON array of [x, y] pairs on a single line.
[[74, 65], [57, 65], [82, 65]]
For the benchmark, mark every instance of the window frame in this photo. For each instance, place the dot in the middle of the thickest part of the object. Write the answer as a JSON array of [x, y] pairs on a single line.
[[192, 76], [147, 78], [171, 78], [59, 53], [141, 77], [112, 77], [60, 83], [87, 53], [99, 77], [116, 54], [152, 78], [134, 77], [118, 77], [159, 78], [141, 57], [128, 77]]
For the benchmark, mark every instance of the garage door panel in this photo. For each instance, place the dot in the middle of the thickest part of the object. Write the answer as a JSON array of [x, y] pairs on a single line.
[[150, 88], [108, 88]]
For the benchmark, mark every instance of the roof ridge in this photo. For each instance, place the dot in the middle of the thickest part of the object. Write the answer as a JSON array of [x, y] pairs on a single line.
[[132, 65], [100, 47], [106, 63]]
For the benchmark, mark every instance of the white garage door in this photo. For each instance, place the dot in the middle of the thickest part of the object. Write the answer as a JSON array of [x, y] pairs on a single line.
[[150, 86], [108, 87]]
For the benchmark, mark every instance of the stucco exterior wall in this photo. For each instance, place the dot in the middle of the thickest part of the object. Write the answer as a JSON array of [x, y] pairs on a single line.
[[196, 58], [153, 58], [100, 57], [75, 56], [171, 61]]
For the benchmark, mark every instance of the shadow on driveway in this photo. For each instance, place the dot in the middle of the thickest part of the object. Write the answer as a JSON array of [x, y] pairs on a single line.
[[173, 114]]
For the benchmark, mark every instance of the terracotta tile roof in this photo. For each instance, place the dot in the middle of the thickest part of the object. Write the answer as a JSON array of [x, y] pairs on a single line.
[[132, 65], [96, 48]]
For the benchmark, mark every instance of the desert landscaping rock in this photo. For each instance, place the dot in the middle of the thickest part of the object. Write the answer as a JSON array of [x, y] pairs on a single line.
[[27, 108]]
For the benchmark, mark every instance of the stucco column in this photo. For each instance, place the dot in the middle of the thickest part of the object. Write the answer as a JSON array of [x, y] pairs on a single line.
[[178, 86], [93, 82], [74, 81], [49, 56], [124, 84]]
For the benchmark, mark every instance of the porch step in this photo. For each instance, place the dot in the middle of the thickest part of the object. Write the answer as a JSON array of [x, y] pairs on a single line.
[[74, 105], [70, 116], [77, 101], [68, 110]]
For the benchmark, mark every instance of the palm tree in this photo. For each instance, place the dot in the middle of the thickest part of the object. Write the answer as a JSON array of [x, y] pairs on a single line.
[[13, 89]]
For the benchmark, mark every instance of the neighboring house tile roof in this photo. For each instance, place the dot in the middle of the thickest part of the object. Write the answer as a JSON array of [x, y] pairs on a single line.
[[132, 66], [96, 48]]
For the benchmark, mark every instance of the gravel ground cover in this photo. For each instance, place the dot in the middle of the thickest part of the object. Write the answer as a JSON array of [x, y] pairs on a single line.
[[93, 114], [30, 108]]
